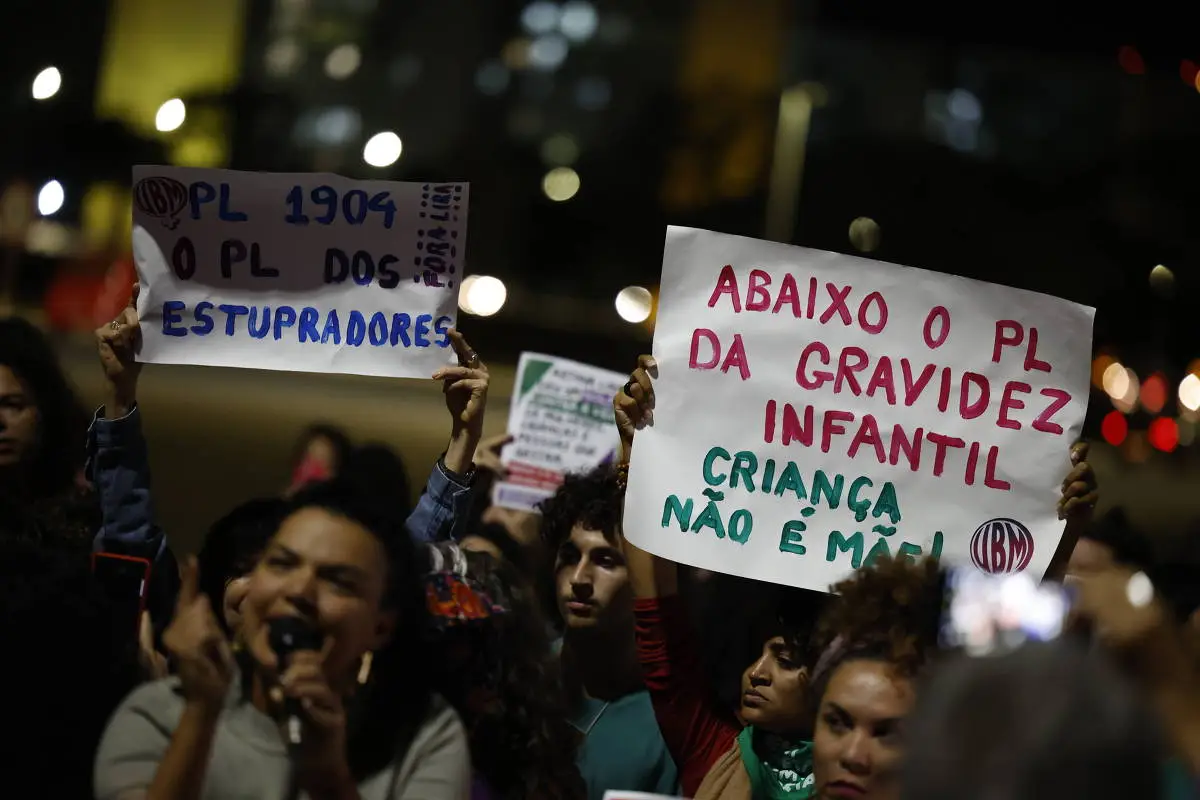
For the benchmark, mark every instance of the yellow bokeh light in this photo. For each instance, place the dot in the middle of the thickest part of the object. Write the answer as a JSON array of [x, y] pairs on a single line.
[[561, 184]]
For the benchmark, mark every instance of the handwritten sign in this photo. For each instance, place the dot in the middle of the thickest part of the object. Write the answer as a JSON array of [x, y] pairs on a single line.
[[815, 411], [307, 272], [561, 421]]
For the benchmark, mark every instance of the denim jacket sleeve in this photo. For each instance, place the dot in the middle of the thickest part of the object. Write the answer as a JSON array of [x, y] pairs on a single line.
[[118, 466], [443, 508]]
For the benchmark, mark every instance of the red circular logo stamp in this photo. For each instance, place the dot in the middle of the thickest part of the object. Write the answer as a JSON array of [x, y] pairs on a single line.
[[1001, 546]]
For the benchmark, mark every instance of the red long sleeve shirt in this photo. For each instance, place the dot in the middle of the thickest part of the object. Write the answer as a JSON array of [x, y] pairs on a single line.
[[696, 732]]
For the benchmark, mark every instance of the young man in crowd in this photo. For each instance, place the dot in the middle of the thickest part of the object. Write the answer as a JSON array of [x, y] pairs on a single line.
[[622, 748]]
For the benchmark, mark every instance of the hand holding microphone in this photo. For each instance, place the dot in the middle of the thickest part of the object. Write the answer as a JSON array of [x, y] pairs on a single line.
[[290, 637], [315, 719]]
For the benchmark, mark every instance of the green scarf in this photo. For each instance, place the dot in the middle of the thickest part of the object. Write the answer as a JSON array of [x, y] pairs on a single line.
[[778, 769]]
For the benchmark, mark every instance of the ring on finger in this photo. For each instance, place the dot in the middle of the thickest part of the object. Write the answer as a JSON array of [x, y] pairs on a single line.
[[115, 324], [627, 388], [472, 359]]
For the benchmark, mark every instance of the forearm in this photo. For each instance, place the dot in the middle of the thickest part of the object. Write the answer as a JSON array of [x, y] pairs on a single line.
[[118, 402], [649, 575], [119, 468], [1077, 522], [181, 773], [460, 453]]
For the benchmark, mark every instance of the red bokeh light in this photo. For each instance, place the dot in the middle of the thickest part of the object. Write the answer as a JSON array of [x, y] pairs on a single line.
[[1131, 60], [1188, 71], [1114, 428], [1154, 393], [1164, 434]]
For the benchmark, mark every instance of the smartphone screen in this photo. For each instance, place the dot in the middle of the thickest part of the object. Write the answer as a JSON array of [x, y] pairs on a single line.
[[988, 614], [126, 581]]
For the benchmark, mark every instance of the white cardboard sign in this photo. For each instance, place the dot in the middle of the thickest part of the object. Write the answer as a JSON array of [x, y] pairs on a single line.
[[561, 421], [304, 272], [815, 411]]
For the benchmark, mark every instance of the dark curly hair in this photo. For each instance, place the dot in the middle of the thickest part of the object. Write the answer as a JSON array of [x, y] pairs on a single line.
[[63, 422], [233, 545], [521, 744], [889, 611], [591, 499]]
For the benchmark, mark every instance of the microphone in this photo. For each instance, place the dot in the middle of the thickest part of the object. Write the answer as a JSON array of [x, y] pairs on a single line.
[[286, 635]]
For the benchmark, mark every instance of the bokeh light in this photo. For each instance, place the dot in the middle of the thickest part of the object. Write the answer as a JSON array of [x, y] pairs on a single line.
[[383, 149], [540, 17], [864, 234], [1154, 393], [171, 115], [47, 83], [560, 150], [548, 52], [343, 61], [1114, 428], [483, 296], [1131, 61], [561, 184], [50, 198], [1163, 434], [578, 20], [634, 303], [1115, 380], [492, 78], [1187, 431], [1189, 392], [1162, 281]]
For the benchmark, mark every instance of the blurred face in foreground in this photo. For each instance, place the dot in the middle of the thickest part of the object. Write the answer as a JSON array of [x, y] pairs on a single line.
[[857, 745], [773, 690], [331, 572], [592, 582]]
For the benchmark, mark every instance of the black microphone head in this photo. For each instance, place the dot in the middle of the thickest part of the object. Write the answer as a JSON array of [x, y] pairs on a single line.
[[286, 635]]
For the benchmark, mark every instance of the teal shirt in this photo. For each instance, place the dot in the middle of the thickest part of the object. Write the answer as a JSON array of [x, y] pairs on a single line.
[[1178, 783], [622, 748]]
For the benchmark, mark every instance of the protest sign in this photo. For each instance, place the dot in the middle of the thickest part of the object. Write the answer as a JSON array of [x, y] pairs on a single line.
[[306, 272], [815, 411], [561, 421]]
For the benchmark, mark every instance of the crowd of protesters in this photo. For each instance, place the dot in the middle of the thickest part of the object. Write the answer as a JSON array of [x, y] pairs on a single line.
[[333, 641]]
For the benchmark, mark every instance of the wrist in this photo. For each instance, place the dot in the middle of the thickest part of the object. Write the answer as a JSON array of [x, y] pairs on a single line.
[[119, 401], [460, 452], [203, 713]]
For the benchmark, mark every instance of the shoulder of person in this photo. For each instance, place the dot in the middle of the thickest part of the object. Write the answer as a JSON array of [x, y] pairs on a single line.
[[160, 700], [157, 704], [441, 722]]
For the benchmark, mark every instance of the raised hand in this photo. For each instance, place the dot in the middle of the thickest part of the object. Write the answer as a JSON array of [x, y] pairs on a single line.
[[633, 406], [116, 343], [198, 646], [1079, 489], [465, 387]]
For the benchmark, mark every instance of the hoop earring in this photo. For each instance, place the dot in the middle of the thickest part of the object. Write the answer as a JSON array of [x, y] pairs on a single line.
[[364, 668]]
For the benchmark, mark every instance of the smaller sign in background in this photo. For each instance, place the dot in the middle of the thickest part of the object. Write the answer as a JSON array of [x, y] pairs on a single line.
[[561, 422]]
